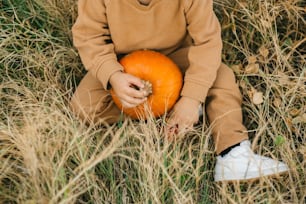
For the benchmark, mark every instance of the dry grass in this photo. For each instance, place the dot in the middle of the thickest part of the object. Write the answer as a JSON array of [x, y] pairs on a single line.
[[47, 156]]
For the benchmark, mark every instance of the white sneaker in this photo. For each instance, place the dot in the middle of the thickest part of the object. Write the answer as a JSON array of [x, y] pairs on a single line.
[[241, 163]]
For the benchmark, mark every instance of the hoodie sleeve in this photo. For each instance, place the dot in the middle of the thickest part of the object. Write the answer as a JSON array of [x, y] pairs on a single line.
[[205, 53], [92, 39]]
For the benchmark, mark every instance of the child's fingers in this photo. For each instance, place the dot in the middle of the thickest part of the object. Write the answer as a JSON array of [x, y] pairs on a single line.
[[172, 128], [171, 132], [135, 81], [132, 102], [176, 126], [139, 94]]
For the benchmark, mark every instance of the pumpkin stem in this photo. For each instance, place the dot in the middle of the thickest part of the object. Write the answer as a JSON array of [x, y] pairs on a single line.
[[147, 87]]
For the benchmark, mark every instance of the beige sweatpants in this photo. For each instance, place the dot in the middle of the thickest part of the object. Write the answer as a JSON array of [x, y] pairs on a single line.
[[92, 103]]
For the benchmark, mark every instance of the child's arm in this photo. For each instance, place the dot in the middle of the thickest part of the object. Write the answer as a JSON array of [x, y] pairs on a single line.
[[204, 58], [205, 53], [91, 36]]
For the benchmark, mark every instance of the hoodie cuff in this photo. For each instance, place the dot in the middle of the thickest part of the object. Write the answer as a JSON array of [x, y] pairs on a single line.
[[194, 91], [105, 70]]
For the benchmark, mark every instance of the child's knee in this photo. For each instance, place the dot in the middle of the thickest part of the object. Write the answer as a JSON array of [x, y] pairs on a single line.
[[95, 111], [78, 109], [225, 84]]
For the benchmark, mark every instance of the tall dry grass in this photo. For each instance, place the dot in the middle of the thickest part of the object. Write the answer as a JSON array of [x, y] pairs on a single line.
[[48, 156]]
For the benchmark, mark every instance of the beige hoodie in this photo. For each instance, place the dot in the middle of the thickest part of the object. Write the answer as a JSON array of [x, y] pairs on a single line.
[[105, 29]]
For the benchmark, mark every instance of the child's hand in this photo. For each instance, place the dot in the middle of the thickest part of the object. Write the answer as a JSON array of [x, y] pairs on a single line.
[[184, 115], [128, 88]]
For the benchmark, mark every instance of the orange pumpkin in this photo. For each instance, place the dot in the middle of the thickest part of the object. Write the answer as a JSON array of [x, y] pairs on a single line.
[[159, 72]]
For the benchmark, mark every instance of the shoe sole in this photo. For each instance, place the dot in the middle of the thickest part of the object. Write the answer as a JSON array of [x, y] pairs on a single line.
[[251, 180]]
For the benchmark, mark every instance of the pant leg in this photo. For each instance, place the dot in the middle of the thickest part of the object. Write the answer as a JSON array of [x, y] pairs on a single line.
[[92, 103], [223, 104], [223, 107]]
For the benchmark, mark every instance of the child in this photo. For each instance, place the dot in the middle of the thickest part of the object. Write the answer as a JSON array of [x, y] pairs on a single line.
[[188, 32]]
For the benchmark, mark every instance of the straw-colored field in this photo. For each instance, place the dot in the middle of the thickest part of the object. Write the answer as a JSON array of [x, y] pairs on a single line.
[[48, 156]]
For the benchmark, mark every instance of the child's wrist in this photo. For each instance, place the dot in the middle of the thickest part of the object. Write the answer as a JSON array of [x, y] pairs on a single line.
[[112, 76], [191, 101]]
